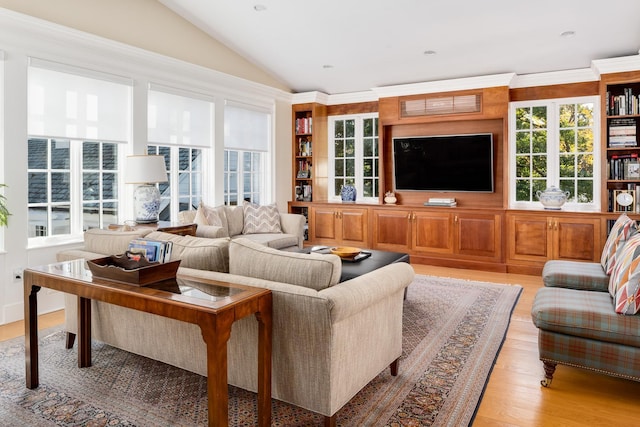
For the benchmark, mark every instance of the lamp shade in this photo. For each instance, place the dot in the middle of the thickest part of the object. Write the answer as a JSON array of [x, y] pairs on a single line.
[[145, 169]]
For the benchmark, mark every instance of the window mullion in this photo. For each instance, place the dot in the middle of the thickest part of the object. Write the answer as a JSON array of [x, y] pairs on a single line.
[[76, 186]]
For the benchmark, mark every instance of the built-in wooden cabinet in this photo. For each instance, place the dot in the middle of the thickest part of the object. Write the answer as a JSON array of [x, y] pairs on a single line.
[[465, 235], [332, 225], [534, 238]]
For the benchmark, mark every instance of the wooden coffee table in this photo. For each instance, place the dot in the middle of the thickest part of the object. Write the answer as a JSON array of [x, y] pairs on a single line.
[[214, 312]]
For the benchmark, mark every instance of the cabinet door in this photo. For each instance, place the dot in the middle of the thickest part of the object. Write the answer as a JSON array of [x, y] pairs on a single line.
[[323, 225], [432, 232], [576, 239], [391, 230], [354, 226], [478, 235], [529, 238]]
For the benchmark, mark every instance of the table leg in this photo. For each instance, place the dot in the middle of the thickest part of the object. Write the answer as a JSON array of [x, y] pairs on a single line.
[[264, 361], [216, 330], [84, 332], [31, 331]]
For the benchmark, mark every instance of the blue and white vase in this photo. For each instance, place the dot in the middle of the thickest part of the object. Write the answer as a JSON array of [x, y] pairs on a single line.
[[348, 193]]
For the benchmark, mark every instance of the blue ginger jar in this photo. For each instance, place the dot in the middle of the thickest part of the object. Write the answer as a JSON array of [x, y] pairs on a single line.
[[348, 193]]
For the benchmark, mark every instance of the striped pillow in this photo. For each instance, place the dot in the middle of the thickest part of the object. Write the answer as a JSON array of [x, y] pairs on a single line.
[[260, 219], [624, 283], [622, 230]]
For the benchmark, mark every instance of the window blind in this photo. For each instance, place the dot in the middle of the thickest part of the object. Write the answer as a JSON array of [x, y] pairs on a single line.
[[69, 102], [246, 128], [179, 120]]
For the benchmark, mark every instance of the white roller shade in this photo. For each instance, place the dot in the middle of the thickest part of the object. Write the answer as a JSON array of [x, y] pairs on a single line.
[[179, 120], [246, 128], [65, 104]]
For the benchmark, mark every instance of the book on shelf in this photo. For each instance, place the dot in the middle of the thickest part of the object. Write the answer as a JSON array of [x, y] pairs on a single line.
[[439, 201], [153, 250], [304, 125], [623, 104], [623, 166]]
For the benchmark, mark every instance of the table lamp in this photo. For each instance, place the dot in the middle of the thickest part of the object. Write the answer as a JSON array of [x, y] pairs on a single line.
[[146, 170]]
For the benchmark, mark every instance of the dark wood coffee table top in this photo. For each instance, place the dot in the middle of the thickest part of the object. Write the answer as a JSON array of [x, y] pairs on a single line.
[[352, 270]]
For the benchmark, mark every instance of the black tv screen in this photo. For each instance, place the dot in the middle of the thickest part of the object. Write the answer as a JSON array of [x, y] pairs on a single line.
[[444, 163]]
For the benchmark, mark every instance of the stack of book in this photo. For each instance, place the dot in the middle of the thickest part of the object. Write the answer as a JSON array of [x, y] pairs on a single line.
[[622, 133], [436, 201], [153, 250]]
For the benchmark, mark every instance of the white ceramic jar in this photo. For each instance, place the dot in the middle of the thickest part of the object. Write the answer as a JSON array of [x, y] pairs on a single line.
[[553, 198]]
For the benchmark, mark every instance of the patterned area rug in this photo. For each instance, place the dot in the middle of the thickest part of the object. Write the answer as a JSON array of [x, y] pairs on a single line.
[[453, 331]]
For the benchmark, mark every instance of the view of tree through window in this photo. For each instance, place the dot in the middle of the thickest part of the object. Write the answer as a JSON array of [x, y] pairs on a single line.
[[555, 145]]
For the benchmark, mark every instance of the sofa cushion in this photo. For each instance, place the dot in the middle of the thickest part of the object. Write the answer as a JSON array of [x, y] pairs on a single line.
[[110, 242], [261, 219], [622, 230], [624, 283], [273, 240], [235, 219], [587, 276], [584, 314], [196, 252], [316, 271], [210, 216]]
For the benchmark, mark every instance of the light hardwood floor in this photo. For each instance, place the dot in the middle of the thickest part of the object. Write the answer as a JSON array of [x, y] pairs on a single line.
[[514, 396]]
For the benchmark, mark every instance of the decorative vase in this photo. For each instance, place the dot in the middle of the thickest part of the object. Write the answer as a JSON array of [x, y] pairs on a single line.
[[390, 198], [348, 193], [553, 198], [146, 203]]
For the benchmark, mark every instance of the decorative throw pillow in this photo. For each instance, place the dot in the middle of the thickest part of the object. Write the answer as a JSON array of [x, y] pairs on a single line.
[[624, 283], [260, 219], [622, 230], [206, 215]]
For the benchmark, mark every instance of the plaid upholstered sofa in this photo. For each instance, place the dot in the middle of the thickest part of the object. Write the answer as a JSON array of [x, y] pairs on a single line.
[[587, 313]]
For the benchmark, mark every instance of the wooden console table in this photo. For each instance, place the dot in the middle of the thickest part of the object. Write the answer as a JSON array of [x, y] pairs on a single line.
[[214, 313]]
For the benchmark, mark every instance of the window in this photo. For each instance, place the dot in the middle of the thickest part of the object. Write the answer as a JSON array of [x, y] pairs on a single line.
[[180, 128], [247, 141], [186, 164], [555, 142], [354, 155], [77, 122]]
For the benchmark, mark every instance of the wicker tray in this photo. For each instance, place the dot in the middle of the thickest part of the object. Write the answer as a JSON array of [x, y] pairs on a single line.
[[119, 268]]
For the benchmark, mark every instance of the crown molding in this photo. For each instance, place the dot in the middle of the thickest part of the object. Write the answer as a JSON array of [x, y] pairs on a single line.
[[616, 65], [306, 97], [554, 78], [466, 83]]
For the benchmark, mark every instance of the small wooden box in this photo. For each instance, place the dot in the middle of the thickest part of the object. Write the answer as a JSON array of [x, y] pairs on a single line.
[[109, 268]]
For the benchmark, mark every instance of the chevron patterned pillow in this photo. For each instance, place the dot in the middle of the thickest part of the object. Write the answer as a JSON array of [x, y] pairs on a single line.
[[260, 219]]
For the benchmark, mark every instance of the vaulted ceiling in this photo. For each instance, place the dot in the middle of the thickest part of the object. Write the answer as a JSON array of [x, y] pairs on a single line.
[[350, 46]]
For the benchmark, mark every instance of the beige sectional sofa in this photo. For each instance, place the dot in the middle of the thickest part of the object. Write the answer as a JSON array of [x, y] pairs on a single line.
[[285, 232], [329, 339]]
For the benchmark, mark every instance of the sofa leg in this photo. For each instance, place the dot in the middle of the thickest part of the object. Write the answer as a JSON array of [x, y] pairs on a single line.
[[395, 365], [549, 369], [330, 421], [71, 339]]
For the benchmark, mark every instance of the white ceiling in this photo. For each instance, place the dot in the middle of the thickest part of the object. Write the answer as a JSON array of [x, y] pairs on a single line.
[[348, 46]]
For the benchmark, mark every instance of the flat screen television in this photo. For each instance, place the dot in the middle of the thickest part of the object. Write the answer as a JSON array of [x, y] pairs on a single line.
[[444, 163]]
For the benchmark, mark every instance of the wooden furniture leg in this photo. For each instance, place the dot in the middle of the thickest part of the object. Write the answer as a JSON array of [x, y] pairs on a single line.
[[549, 369], [84, 329], [395, 367], [330, 421], [70, 340], [31, 333], [264, 360]]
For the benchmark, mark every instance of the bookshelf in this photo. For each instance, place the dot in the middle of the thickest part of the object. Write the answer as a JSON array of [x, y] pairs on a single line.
[[621, 117], [310, 156]]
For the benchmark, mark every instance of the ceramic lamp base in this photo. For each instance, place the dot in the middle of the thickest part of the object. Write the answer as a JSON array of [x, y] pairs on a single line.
[[146, 203]]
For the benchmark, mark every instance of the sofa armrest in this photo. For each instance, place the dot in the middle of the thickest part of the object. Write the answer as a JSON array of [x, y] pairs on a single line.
[[352, 296], [293, 224], [71, 254], [211, 231]]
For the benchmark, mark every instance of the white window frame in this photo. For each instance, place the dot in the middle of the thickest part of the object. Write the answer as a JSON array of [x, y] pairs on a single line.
[[553, 141], [359, 157]]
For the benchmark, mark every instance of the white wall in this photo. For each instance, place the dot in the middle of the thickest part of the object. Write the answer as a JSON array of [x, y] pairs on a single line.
[[22, 37]]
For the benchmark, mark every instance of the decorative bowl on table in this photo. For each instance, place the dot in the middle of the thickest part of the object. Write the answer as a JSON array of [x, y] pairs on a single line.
[[345, 251]]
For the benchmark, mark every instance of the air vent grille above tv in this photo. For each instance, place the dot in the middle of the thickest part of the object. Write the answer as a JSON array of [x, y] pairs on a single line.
[[441, 105]]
